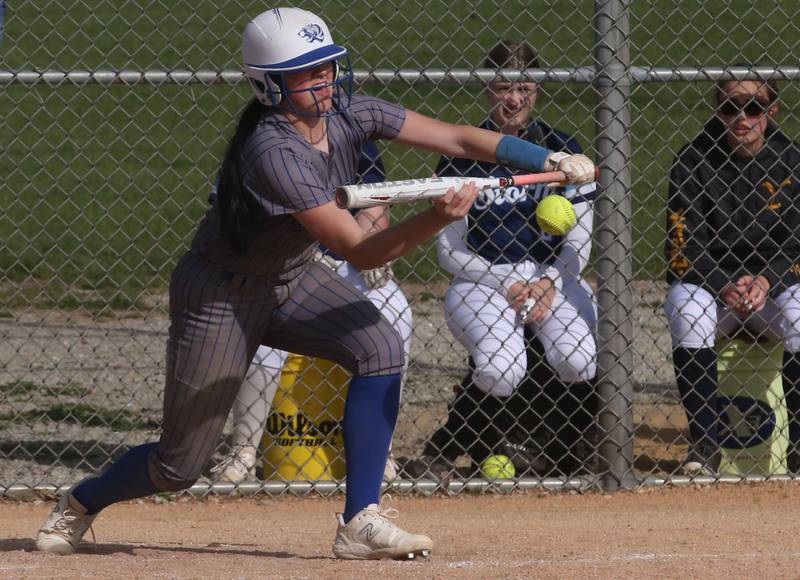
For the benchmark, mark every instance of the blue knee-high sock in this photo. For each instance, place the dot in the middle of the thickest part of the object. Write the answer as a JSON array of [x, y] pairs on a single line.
[[369, 417], [696, 374], [127, 478]]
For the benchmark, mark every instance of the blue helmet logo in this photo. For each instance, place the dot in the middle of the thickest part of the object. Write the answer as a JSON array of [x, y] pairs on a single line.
[[312, 32]]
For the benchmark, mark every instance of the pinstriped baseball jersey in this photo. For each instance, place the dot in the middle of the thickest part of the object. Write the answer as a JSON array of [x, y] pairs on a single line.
[[286, 174]]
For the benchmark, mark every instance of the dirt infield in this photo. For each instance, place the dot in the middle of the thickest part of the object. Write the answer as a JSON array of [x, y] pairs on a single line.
[[742, 531]]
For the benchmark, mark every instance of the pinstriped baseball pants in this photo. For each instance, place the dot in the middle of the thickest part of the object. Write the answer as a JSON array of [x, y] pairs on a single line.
[[218, 320]]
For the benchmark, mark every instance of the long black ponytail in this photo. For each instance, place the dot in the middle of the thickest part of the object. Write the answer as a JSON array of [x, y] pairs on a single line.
[[238, 209]]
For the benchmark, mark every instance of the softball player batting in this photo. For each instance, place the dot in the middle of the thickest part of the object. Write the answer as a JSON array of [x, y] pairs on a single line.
[[252, 405], [249, 278]]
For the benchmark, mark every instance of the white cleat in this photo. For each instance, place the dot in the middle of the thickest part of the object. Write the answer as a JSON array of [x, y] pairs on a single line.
[[239, 465], [371, 536], [696, 468], [65, 527]]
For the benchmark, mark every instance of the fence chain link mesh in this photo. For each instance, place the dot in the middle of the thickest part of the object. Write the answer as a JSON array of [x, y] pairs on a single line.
[[115, 118]]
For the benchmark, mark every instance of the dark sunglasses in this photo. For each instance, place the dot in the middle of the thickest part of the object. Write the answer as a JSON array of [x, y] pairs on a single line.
[[751, 107]]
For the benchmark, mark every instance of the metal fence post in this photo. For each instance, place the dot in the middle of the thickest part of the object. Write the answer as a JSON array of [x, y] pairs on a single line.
[[613, 239]]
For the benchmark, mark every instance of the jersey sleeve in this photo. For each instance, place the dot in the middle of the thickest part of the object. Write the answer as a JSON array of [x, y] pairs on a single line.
[[457, 259], [688, 237], [576, 247], [783, 270], [284, 183], [376, 118]]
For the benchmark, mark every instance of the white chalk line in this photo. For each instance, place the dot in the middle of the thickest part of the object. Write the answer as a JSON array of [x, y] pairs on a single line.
[[646, 557]]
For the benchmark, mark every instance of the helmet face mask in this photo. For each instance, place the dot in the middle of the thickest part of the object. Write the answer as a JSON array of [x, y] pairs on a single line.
[[288, 40]]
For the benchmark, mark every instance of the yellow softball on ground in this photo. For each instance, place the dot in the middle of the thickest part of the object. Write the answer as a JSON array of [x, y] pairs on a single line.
[[555, 215], [498, 467]]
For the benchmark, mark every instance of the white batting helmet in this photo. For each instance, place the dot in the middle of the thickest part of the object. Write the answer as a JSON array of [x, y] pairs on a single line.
[[285, 40]]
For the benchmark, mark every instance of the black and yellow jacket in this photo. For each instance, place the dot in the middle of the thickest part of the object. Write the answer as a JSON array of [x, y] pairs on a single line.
[[729, 216]]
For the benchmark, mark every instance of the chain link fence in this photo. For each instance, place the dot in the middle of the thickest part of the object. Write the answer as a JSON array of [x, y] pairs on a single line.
[[115, 118]]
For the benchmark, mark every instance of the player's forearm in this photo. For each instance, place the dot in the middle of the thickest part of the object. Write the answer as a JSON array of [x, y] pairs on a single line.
[[474, 143], [372, 219], [452, 252], [469, 266], [448, 139], [388, 244], [689, 239], [469, 142], [693, 264], [457, 259], [454, 256]]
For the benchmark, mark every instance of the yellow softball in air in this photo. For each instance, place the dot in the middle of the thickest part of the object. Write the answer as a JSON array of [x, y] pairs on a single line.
[[498, 467], [555, 215]]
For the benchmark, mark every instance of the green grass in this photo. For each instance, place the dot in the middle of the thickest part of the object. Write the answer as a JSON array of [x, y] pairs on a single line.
[[103, 186], [19, 388], [81, 414], [22, 388]]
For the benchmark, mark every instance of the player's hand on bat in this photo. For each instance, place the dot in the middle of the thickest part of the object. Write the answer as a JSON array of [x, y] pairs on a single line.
[[578, 168], [455, 204]]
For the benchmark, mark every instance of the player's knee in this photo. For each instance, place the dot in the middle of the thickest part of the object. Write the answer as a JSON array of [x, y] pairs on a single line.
[[493, 380], [383, 356], [691, 331], [689, 317], [573, 374], [583, 372], [791, 340], [573, 366], [692, 315]]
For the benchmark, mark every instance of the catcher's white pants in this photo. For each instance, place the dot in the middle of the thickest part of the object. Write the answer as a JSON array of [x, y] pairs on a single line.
[[696, 318], [254, 401], [482, 319]]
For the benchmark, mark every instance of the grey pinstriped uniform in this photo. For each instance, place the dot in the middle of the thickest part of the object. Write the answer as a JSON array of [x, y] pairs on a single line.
[[223, 305]]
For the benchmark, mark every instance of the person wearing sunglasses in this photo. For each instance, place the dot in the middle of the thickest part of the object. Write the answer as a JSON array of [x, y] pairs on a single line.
[[734, 256]]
